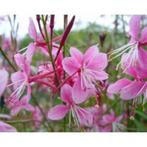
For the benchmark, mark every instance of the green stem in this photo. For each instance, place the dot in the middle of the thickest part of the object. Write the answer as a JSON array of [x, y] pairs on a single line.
[[6, 57], [19, 121], [49, 49]]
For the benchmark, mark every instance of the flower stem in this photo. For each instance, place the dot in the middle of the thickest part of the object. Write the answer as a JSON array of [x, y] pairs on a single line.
[[49, 49], [8, 60]]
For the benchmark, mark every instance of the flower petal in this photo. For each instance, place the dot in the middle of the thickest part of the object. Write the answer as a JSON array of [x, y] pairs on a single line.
[[100, 75], [90, 53], [135, 26], [66, 93], [75, 53], [30, 52], [70, 65], [143, 38], [78, 94], [17, 78], [58, 112], [22, 63], [4, 127], [133, 90], [32, 30], [118, 85], [3, 80], [84, 116], [99, 62], [142, 57]]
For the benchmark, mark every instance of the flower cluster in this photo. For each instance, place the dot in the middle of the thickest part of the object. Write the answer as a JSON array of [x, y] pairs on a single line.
[[75, 83]]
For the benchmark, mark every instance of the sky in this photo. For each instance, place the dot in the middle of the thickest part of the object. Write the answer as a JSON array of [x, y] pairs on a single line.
[[80, 22]]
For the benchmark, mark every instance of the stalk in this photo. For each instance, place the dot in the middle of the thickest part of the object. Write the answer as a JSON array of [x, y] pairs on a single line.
[[8, 60], [50, 49]]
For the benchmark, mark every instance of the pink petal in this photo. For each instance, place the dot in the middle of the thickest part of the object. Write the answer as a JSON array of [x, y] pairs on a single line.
[[118, 85], [143, 38], [133, 90], [142, 57], [58, 112], [66, 93], [15, 110], [4, 127], [135, 26], [22, 104], [100, 75], [98, 62], [90, 53], [78, 94], [22, 63], [70, 65], [84, 116], [32, 30], [17, 78], [30, 52], [3, 80], [75, 53]]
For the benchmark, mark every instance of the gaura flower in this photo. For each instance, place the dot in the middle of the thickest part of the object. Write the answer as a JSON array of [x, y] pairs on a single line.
[[129, 89], [15, 105], [88, 67], [133, 51], [80, 115], [20, 79], [39, 41]]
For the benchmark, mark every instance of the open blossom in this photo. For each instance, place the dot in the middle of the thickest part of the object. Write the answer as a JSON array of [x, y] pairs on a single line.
[[110, 122], [39, 41], [104, 121], [3, 80], [129, 89], [58, 112], [133, 51], [88, 68], [15, 105], [20, 79]]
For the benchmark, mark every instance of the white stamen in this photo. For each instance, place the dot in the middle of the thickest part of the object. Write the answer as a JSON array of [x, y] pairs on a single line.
[[23, 49], [15, 82], [141, 88]]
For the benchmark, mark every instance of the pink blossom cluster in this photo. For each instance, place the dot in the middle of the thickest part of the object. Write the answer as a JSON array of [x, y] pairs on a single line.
[[74, 79]]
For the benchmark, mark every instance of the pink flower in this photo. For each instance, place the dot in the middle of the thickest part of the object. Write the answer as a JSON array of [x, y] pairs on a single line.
[[39, 41], [4, 80], [88, 68], [16, 105], [135, 53], [4, 127], [128, 89], [20, 79], [110, 122], [104, 121], [80, 115]]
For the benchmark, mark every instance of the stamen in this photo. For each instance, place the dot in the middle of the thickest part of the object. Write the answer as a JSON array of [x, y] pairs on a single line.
[[15, 82], [18, 90], [23, 49], [118, 52], [75, 117], [141, 89]]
